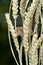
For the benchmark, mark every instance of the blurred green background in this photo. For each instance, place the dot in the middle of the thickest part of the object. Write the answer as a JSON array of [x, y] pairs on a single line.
[[6, 57]]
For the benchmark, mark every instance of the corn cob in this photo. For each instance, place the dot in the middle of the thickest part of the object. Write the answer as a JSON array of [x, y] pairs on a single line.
[[22, 7], [12, 48], [41, 47], [28, 19], [37, 14], [41, 54], [14, 8], [34, 52], [11, 29]]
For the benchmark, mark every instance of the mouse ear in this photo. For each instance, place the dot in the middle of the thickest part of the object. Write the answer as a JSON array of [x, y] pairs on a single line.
[[19, 22], [19, 31]]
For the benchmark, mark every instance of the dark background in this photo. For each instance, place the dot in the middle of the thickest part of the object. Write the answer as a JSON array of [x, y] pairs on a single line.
[[6, 57]]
